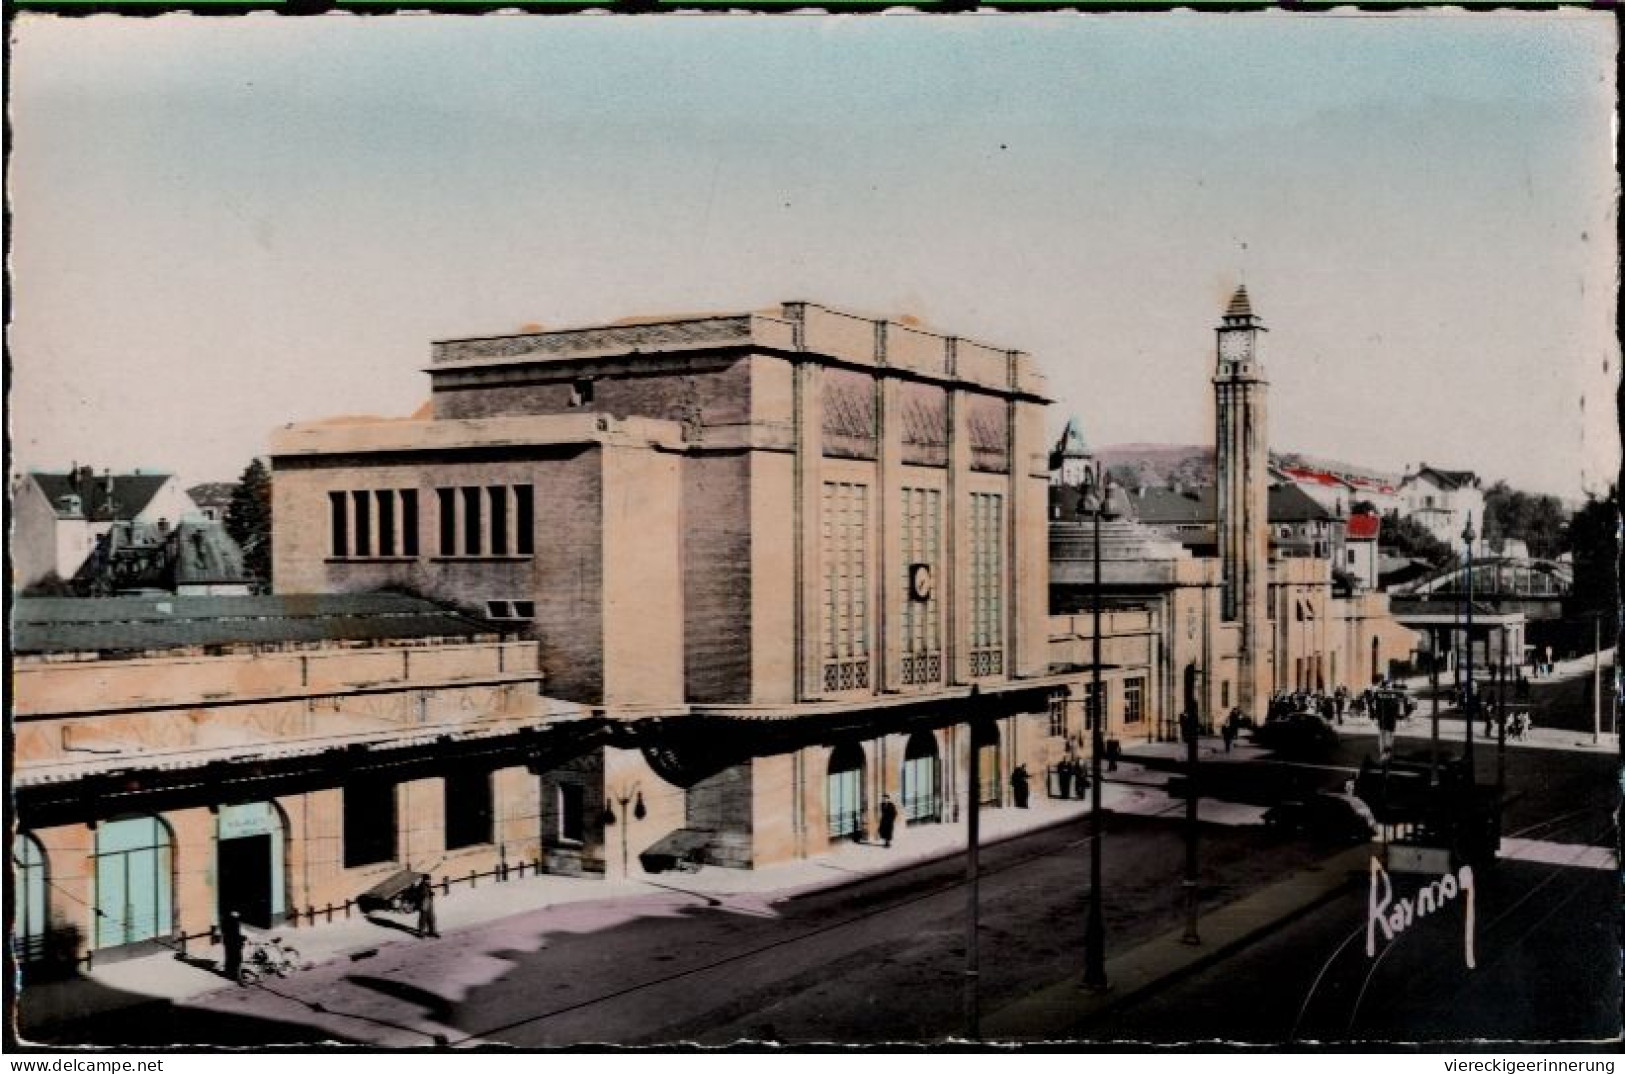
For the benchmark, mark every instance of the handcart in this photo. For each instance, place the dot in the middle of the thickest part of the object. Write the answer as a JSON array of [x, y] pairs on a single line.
[[398, 894]]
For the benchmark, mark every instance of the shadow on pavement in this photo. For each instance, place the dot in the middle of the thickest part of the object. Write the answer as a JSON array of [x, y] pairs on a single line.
[[110, 1016]]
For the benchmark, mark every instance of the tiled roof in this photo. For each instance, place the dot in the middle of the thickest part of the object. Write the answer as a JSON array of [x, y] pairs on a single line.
[[1239, 305], [130, 494], [139, 624], [1314, 477], [1287, 503], [1449, 479], [1364, 527], [212, 493]]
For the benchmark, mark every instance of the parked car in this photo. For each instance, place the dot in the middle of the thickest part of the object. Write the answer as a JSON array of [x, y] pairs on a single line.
[[1296, 732], [1325, 818]]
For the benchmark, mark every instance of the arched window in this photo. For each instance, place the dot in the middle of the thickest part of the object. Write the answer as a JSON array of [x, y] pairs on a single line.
[[844, 802], [28, 866], [135, 897], [922, 779]]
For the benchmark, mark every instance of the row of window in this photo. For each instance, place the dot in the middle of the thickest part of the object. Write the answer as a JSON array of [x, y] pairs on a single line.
[[1133, 706], [844, 543], [473, 520], [371, 823]]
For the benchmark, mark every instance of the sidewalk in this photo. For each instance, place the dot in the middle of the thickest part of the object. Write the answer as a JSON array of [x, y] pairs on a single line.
[[1065, 1010], [167, 977]]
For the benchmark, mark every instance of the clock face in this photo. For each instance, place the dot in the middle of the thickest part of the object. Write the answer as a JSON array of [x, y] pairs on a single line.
[[1235, 346], [919, 581]]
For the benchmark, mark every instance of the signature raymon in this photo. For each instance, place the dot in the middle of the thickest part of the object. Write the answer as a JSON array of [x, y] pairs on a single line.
[[1393, 918]]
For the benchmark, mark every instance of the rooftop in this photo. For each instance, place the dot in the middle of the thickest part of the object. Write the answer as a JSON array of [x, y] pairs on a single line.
[[799, 327], [104, 496], [146, 624]]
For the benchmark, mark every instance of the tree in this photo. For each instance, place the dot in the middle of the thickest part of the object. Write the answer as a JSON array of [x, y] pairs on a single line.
[[248, 519], [1410, 538], [1536, 520], [1593, 536]]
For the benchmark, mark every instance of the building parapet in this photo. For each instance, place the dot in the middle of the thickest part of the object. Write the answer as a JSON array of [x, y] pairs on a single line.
[[370, 437], [803, 327]]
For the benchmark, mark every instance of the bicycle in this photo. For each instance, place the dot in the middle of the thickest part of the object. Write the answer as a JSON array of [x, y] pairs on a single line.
[[262, 958]]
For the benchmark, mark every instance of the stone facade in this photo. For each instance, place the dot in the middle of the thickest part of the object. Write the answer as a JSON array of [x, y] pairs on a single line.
[[789, 520]]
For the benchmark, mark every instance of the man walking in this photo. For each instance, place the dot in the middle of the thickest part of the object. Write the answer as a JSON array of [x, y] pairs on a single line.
[[427, 925], [231, 939], [888, 819]]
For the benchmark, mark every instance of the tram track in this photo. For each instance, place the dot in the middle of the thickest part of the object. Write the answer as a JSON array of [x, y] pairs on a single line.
[[1581, 818], [490, 1035]]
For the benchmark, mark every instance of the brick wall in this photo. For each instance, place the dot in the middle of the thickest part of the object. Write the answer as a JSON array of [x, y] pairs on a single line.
[[717, 578]]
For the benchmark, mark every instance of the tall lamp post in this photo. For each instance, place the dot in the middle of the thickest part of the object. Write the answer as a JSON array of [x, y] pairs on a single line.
[[626, 797], [1097, 503], [1470, 706]]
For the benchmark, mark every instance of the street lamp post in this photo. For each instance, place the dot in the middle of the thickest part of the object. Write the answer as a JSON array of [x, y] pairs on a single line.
[[1503, 678], [1096, 502], [1433, 675], [1596, 680], [1470, 706], [626, 797]]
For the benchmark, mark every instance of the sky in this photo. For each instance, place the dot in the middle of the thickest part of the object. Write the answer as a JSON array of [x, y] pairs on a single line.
[[223, 225]]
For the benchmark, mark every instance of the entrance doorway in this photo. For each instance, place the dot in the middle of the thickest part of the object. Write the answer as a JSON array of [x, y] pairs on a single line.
[[134, 883], [922, 782], [245, 879], [843, 796], [248, 863]]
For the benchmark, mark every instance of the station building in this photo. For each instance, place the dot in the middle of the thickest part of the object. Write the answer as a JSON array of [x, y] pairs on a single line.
[[798, 558]]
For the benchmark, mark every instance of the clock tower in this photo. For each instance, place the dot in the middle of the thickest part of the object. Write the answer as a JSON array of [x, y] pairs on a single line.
[[1242, 462]]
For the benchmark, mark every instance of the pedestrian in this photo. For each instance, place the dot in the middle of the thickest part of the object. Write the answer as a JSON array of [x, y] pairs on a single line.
[[426, 921], [231, 939], [1018, 786], [1341, 700], [888, 819], [1063, 776], [1114, 750], [1229, 734]]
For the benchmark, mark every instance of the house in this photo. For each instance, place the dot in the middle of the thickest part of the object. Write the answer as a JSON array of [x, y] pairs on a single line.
[[58, 518], [1361, 558], [195, 558], [1443, 501], [213, 498], [1299, 526]]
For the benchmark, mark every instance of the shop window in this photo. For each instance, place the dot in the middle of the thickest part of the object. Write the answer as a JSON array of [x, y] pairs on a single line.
[[572, 813], [369, 823], [468, 809]]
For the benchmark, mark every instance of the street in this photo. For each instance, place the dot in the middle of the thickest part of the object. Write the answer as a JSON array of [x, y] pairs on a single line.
[[882, 959]]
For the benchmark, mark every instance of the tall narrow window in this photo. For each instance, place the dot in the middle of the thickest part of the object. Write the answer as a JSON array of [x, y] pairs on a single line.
[[448, 520], [468, 809], [409, 522], [1133, 700], [471, 522], [524, 520], [845, 543], [386, 522], [363, 523], [338, 504], [922, 615], [369, 823], [499, 519], [987, 584], [572, 813]]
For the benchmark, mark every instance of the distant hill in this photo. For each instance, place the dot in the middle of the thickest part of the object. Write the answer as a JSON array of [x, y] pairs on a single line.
[[1159, 465], [1191, 465]]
